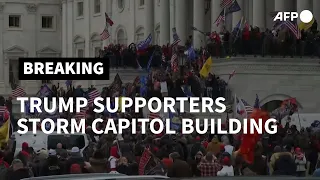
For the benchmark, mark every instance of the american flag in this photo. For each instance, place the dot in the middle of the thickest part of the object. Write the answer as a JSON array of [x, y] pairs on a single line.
[[3, 109], [293, 28], [225, 3], [174, 63], [92, 95], [18, 92], [108, 20], [176, 39], [247, 107], [105, 34], [153, 115], [220, 18]]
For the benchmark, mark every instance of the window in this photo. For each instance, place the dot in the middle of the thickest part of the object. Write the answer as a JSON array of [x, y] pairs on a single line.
[[80, 53], [121, 37], [47, 22], [140, 35], [13, 72], [120, 4], [141, 3], [97, 8], [14, 21], [97, 51], [80, 9]]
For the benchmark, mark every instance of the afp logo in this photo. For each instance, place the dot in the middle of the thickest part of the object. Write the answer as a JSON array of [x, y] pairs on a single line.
[[305, 16]]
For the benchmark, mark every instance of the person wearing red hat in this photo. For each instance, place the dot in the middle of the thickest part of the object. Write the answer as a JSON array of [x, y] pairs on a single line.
[[227, 168]]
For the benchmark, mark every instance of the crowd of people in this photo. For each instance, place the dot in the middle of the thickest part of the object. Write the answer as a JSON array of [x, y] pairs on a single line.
[[290, 152]]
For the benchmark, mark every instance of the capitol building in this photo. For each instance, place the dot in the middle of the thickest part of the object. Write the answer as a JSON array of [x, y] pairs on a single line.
[[71, 28]]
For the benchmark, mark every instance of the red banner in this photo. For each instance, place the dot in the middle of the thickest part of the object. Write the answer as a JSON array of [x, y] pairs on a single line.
[[144, 160]]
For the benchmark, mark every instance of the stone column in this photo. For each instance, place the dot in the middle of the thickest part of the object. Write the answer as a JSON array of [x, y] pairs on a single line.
[[198, 22], [181, 19], [64, 29], [70, 18], [315, 11], [258, 13], [236, 16], [164, 22], [149, 23], [31, 86], [303, 5], [280, 5], [2, 60], [87, 30], [215, 11]]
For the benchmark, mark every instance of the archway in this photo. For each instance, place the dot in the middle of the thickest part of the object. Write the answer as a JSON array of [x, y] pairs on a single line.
[[271, 105]]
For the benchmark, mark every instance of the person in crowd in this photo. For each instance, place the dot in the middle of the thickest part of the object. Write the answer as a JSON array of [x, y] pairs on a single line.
[[17, 171], [283, 163], [179, 167], [227, 168], [194, 164], [301, 162], [75, 158], [214, 146], [98, 163], [209, 166], [52, 165], [61, 152]]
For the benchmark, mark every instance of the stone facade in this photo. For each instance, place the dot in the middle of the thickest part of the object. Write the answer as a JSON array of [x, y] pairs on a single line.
[[273, 79]]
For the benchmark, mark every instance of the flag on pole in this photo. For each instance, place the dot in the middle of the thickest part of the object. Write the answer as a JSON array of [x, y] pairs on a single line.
[[256, 102], [174, 63], [176, 39], [145, 43], [225, 3], [18, 92], [108, 20], [92, 95], [235, 7], [248, 108], [293, 28], [232, 74], [221, 18], [105, 34]]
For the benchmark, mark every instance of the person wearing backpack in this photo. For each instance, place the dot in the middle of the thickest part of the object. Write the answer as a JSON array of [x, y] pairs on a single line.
[[52, 165]]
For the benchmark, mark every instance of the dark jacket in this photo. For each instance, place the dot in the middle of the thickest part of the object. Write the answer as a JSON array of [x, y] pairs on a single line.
[[284, 165], [179, 168], [98, 165], [74, 159], [51, 167], [17, 175]]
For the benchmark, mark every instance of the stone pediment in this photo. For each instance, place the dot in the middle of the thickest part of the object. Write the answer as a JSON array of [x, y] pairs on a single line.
[[48, 50], [78, 39], [15, 49]]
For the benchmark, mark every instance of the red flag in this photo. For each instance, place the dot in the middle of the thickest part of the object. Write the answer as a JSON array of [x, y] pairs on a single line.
[[108, 20], [144, 160], [249, 141]]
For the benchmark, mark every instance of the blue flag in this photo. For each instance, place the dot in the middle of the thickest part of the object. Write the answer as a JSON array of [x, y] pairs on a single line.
[[187, 91], [144, 44], [191, 54], [149, 62], [235, 7], [68, 82]]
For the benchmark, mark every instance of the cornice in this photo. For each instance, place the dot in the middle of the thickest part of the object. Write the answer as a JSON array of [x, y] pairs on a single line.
[[273, 66]]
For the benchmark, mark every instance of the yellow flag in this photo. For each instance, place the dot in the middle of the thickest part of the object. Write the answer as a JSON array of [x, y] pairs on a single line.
[[120, 104], [4, 131], [306, 26], [204, 72]]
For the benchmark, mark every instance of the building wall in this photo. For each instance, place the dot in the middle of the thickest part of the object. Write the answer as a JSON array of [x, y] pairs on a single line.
[[273, 79], [30, 39]]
